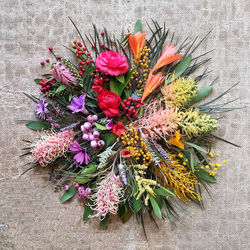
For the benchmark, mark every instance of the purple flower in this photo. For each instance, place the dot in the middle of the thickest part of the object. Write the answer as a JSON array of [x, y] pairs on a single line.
[[110, 123], [41, 109], [78, 105], [81, 154]]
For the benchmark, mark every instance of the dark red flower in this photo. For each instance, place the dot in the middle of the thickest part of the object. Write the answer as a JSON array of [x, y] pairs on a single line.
[[109, 103], [118, 128]]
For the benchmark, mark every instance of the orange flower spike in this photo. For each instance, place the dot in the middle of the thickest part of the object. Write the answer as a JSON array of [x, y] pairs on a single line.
[[136, 43], [168, 56], [152, 83], [175, 141]]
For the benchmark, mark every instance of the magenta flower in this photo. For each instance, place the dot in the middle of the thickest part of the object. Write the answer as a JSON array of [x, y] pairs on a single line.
[[78, 105], [81, 154], [41, 109], [63, 74], [110, 123], [112, 63]]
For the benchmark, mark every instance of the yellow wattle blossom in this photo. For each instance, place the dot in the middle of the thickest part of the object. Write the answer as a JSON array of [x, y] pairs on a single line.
[[143, 183]]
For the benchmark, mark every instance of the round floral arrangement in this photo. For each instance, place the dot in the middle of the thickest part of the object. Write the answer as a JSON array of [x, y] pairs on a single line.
[[122, 125]]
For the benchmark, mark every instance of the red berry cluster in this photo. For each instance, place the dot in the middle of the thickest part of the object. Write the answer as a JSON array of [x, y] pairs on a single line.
[[102, 44], [46, 85], [131, 105], [80, 50], [47, 60]]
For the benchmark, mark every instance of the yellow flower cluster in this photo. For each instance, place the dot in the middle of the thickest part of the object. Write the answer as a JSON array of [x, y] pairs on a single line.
[[143, 183], [180, 92], [212, 167], [136, 145], [194, 124], [140, 70]]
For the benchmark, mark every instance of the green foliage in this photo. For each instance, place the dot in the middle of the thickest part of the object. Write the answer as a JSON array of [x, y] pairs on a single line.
[[202, 93], [87, 211], [138, 26], [68, 194], [37, 125], [204, 175], [137, 204], [155, 206]]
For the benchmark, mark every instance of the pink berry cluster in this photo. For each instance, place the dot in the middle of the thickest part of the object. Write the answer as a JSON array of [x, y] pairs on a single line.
[[131, 105], [90, 134], [82, 192], [46, 85]]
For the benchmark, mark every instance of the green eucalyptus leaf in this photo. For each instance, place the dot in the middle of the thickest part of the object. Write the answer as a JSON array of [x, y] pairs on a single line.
[[121, 78], [204, 175], [196, 147], [180, 68], [138, 26], [163, 191], [99, 126], [68, 194], [61, 88], [127, 77], [109, 139], [202, 93], [82, 180], [116, 87], [87, 212], [37, 125], [155, 206], [91, 168], [137, 205], [192, 162]]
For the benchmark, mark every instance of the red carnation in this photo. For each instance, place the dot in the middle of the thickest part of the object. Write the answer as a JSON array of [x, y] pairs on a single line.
[[109, 103], [118, 128]]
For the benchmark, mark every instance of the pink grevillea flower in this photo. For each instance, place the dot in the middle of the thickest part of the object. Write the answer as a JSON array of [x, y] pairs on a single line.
[[50, 147], [107, 196], [80, 153], [112, 63], [63, 74]]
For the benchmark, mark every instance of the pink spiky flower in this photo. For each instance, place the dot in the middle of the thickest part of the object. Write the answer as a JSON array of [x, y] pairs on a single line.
[[107, 196], [50, 147], [63, 74]]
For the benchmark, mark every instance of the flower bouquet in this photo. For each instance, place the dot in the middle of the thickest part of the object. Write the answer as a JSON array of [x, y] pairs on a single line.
[[121, 126]]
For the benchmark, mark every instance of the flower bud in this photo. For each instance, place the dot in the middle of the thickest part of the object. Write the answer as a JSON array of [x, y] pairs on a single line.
[[87, 125], [93, 144], [100, 143]]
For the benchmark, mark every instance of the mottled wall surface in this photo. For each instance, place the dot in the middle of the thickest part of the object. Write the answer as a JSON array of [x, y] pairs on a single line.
[[32, 217]]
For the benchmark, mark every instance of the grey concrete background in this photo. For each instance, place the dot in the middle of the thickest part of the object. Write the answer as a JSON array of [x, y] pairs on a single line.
[[32, 217]]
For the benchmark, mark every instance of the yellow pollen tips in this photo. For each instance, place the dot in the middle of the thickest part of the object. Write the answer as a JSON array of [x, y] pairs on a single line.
[[210, 154], [224, 161]]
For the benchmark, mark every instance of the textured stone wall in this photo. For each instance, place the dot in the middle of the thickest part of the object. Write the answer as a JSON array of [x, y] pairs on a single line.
[[31, 217]]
